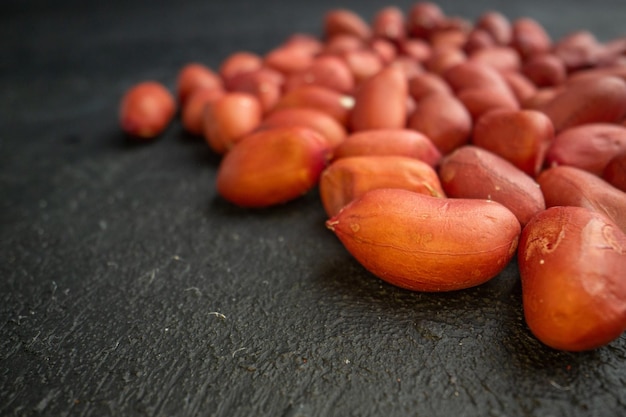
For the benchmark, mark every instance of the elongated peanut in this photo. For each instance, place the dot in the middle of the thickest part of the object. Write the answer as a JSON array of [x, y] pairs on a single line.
[[522, 137], [589, 101], [479, 101], [569, 186], [146, 109], [229, 118], [589, 147], [272, 166], [443, 119], [349, 178], [472, 172], [380, 101], [572, 264], [389, 142], [426, 243]]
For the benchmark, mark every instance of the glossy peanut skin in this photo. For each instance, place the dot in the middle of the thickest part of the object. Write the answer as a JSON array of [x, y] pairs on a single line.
[[389, 142], [380, 101], [192, 114], [335, 104], [471, 172], [589, 147], [239, 63], [343, 21], [572, 264], [272, 167], [195, 76], [615, 172], [349, 178], [444, 120], [594, 100], [569, 186], [425, 243], [146, 109], [330, 129], [522, 137], [230, 118]]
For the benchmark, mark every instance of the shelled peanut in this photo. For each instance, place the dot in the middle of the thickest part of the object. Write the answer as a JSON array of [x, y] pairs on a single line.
[[437, 143]]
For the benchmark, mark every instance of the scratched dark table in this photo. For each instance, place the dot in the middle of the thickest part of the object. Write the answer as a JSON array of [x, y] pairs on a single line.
[[129, 288]]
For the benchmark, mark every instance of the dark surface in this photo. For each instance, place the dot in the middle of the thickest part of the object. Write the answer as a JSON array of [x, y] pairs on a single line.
[[130, 288]]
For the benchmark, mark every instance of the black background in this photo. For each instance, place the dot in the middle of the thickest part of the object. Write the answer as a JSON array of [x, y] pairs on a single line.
[[128, 287]]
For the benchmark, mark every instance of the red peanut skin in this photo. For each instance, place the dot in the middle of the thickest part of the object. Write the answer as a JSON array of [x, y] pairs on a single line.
[[324, 124], [427, 83], [479, 101], [229, 118], [272, 167], [332, 102], [589, 101], [615, 172], [443, 119], [569, 186], [388, 23], [572, 264], [343, 21], [288, 59], [380, 101], [349, 178], [545, 70], [423, 18], [520, 85], [529, 37], [389, 142], [238, 63], [195, 76], [326, 71], [265, 83], [497, 26], [522, 137], [589, 147], [146, 109], [501, 58], [471, 172], [425, 243], [192, 114]]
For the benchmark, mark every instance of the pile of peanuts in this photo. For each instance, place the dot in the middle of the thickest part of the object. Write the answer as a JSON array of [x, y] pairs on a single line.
[[441, 148]]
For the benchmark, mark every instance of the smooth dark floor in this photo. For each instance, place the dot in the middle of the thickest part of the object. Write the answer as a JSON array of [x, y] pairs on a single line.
[[129, 288]]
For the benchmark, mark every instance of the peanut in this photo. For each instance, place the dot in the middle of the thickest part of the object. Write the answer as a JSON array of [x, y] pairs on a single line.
[[425, 243], [572, 264]]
